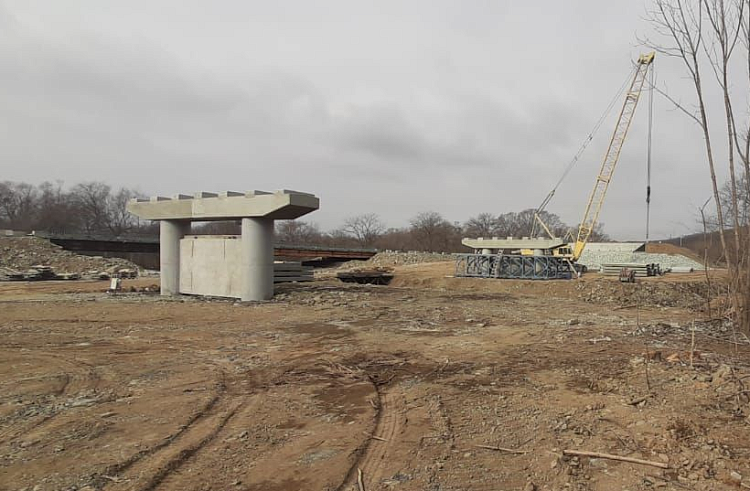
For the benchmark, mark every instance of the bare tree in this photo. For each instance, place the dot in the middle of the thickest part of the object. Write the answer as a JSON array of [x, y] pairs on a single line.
[[296, 232], [700, 34], [17, 204], [89, 207], [680, 23], [432, 232], [118, 220], [91, 202], [364, 228], [101, 211], [725, 26], [482, 225], [55, 211], [733, 203], [519, 224]]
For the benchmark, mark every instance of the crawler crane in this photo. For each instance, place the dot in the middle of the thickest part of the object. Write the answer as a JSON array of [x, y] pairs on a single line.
[[542, 258]]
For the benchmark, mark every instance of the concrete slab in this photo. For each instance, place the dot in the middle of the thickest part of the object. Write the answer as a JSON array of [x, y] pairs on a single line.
[[513, 243]]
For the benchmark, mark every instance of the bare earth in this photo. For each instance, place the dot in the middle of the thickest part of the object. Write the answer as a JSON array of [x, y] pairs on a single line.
[[402, 383]]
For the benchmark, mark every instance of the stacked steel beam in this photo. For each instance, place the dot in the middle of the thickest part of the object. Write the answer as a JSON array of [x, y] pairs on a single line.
[[641, 269]]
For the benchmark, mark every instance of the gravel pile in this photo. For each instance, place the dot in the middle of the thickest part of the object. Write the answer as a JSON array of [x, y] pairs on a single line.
[[594, 259], [689, 295], [385, 261], [397, 258], [24, 255]]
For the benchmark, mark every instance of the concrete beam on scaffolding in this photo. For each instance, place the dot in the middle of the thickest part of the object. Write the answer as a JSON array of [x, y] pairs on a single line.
[[511, 243]]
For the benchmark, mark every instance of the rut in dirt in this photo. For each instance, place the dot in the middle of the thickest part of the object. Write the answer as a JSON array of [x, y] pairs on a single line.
[[372, 459]]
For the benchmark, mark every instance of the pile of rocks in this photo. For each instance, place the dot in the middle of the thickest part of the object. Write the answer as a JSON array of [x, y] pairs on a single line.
[[398, 258], [594, 259], [384, 261], [689, 295], [32, 258]]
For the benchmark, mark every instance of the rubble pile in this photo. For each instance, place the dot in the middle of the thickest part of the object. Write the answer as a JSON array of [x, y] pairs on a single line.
[[389, 259], [690, 295], [36, 259], [385, 261], [397, 258]]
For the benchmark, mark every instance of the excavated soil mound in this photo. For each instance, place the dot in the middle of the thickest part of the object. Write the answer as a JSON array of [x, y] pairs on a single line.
[[386, 261], [663, 248], [687, 291]]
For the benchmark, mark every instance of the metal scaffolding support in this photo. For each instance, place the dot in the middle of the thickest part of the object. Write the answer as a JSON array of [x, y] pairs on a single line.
[[513, 267]]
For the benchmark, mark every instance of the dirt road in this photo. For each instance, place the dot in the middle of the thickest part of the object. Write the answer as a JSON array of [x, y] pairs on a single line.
[[401, 383]]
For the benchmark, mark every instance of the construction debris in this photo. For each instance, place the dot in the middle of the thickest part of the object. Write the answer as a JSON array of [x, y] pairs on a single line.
[[600, 455], [437, 358], [29, 258], [640, 270], [398, 258], [377, 276]]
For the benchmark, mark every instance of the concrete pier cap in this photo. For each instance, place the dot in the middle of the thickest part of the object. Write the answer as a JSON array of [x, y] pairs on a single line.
[[257, 211]]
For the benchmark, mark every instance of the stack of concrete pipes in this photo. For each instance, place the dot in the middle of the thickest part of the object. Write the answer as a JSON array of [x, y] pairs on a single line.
[[641, 270]]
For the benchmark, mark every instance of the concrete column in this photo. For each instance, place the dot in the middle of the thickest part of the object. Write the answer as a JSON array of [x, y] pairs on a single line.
[[170, 233], [257, 259]]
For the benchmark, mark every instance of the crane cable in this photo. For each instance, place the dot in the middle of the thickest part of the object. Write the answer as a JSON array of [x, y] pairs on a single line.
[[648, 159], [585, 144]]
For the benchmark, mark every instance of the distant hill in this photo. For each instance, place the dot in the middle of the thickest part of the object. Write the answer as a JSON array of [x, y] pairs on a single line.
[[698, 244], [670, 248]]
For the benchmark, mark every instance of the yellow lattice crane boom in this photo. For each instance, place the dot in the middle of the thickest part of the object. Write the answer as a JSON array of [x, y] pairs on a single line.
[[596, 200]]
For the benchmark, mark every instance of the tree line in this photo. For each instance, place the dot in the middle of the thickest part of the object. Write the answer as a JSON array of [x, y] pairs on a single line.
[[95, 208], [427, 231], [87, 208]]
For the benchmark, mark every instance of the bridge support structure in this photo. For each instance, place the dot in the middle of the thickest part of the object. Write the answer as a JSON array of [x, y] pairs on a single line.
[[257, 211]]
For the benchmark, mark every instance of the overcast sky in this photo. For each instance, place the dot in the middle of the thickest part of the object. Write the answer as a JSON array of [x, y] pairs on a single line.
[[395, 107]]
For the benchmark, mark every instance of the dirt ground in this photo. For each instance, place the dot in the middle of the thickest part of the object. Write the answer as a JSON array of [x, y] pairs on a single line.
[[431, 383]]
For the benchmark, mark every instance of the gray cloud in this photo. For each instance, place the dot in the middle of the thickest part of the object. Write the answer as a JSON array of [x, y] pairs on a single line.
[[393, 108]]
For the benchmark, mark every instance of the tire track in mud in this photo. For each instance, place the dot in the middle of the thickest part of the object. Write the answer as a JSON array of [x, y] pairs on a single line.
[[147, 474], [174, 461], [77, 375], [372, 457], [204, 413]]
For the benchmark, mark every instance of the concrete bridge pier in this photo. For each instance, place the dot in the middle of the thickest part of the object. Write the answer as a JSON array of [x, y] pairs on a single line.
[[170, 233], [257, 259], [241, 270]]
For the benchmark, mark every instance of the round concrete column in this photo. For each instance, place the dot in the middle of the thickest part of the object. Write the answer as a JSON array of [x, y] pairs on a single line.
[[170, 233], [257, 259]]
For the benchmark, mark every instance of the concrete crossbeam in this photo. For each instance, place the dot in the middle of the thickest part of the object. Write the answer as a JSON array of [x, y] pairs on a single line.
[[512, 243], [279, 205]]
